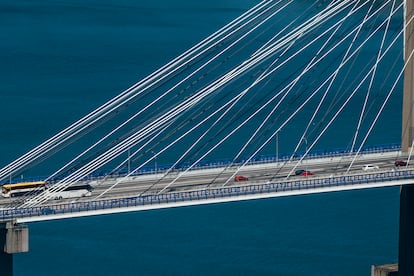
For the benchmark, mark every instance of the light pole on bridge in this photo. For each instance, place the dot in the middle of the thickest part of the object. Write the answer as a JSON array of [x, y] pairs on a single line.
[[155, 160], [277, 146]]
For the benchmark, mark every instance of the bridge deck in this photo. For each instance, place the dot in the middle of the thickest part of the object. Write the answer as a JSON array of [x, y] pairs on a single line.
[[194, 195], [249, 192]]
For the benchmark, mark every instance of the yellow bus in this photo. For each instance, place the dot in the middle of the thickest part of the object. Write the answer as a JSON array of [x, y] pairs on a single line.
[[23, 188]]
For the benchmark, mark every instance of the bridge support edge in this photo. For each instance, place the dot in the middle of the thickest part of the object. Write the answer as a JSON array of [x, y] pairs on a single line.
[[14, 238]]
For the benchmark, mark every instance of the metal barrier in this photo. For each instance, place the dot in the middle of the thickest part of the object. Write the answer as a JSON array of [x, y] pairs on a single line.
[[226, 162]]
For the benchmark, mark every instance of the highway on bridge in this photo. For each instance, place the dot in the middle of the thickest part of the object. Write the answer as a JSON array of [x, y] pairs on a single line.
[[217, 177], [208, 185], [258, 173]]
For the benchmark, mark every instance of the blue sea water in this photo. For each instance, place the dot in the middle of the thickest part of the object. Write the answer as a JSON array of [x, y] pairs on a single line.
[[60, 59]]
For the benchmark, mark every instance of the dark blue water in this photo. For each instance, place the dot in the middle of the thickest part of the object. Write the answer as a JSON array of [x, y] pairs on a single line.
[[60, 59]]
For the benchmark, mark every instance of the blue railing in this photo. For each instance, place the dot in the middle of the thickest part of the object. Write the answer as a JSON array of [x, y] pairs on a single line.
[[206, 194], [263, 159], [259, 160]]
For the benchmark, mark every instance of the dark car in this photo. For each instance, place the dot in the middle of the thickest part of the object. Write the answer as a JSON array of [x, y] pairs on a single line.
[[238, 178], [400, 163], [299, 172]]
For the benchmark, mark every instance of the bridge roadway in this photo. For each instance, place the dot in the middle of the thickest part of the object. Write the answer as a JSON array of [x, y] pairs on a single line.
[[202, 186], [258, 173]]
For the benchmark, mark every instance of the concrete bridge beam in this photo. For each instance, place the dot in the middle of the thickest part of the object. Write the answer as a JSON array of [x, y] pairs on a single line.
[[14, 238]]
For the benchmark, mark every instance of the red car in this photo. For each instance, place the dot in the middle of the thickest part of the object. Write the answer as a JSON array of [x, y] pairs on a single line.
[[400, 163], [306, 173], [238, 178]]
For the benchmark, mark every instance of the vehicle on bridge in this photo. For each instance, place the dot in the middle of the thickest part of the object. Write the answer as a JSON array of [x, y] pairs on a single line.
[[370, 167], [304, 173], [238, 178], [400, 163], [23, 188], [307, 173], [37, 187], [72, 192], [299, 172]]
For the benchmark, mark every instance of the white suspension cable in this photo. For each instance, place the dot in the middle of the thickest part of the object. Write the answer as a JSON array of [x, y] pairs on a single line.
[[371, 82], [174, 142], [331, 82], [380, 110], [336, 115], [206, 153], [172, 88], [156, 76], [220, 142], [157, 126], [308, 99]]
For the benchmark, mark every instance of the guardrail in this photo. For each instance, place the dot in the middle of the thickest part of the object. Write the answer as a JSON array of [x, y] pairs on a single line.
[[206, 194], [262, 160], [226, 162]]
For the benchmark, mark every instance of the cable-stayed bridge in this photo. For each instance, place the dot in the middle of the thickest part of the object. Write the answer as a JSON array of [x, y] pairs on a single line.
[[195, 186], [253, 88], [230, 96]]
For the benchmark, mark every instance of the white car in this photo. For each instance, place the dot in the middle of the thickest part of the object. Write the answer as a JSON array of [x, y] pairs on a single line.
[[370, 167]]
